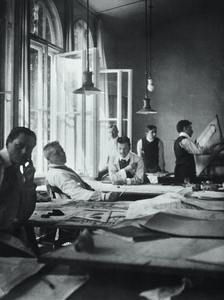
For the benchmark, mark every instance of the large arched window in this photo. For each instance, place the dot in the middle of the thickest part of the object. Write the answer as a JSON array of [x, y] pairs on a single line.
[[45, 41]]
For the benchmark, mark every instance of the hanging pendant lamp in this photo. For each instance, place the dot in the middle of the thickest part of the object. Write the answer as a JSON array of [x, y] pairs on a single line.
[[149, 86], [87, 86]]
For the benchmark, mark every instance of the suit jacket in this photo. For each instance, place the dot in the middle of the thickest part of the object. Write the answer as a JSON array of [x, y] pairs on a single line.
[[17, 200], [117, 174]]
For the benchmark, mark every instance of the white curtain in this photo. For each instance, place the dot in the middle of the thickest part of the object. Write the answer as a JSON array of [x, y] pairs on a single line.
[[100, 45]]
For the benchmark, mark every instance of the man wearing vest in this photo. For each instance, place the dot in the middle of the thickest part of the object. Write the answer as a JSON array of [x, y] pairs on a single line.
[[185, 149], [151, 149]]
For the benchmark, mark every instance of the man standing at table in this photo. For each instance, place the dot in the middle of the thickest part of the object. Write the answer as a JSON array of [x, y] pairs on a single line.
[[69, 183], [151, 149], [126, 167], [185, 149], [17, 189]]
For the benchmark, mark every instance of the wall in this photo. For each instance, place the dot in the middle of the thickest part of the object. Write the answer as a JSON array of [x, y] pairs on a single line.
[[188, 73], [187, 69]]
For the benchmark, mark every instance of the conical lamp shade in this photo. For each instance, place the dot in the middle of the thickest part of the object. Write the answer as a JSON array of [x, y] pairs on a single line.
[[146, 110], [87, 86]]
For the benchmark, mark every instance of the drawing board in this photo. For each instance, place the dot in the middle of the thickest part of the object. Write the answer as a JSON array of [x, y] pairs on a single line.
[[211, 134]]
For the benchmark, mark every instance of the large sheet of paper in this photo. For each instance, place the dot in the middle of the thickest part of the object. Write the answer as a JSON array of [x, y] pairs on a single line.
[[81, 213], [213, 256], [141, 208], [49, 287], [185, 226], [55, 284], [211, 134], [14, 270]]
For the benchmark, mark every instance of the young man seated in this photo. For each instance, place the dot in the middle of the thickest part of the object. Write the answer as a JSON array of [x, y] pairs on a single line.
[[68, 181], [126, 167]]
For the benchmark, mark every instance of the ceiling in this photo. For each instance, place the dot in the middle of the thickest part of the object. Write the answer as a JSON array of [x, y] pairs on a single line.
[[123, 13]]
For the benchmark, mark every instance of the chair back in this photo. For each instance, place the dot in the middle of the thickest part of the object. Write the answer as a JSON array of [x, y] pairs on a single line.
[[53, 190]]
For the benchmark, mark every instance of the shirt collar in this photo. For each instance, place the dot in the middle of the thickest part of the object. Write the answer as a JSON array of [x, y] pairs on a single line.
[[125, 158], [54, 165], [150, 141], [184, 134]]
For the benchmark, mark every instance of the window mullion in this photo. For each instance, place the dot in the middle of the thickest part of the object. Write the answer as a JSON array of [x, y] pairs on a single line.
[[119, 100]]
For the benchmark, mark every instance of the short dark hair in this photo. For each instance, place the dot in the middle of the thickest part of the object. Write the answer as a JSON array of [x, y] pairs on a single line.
[[16, 131], [124, 139], [151, 127], [181, 124]]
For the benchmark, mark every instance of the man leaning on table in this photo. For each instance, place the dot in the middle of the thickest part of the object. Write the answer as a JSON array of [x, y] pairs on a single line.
[[126, 167], [67, 181]]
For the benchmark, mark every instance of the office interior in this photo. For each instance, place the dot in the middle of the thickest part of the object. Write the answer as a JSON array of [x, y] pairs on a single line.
[[43, 54], [185, 61]]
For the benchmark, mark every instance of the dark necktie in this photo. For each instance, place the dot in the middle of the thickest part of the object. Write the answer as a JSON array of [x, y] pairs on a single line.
[[77, 177], [124, 163]]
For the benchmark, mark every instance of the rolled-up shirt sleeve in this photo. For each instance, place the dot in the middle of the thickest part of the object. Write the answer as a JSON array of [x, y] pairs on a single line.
[[194, 148], [161, 156], [139, 148]]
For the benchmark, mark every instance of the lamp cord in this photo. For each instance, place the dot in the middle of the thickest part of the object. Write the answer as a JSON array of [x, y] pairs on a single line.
[[148, 60], [150, 39], [87, 36]]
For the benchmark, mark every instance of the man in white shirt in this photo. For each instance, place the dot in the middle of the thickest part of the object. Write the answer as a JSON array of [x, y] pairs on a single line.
[[68, 181], [185, 149], [126, 167]]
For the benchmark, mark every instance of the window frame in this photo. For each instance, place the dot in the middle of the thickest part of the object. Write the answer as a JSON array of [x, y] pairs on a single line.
[[83, 114]]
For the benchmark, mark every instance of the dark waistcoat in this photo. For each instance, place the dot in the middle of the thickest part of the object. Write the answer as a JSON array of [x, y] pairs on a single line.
[[151, 150], [182, 156]]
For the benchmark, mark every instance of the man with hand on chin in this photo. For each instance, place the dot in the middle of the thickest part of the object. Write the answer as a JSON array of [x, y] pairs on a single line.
[[17, 189], [126, 167]]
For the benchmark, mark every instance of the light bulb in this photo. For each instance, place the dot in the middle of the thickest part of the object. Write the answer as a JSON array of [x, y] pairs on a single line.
[[150, 85]]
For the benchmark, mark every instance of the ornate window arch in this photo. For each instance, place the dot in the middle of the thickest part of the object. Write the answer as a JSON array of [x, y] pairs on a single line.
[[45, 22]]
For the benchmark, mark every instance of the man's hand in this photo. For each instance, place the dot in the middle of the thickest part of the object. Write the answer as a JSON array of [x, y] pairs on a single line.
[[111, 197], [119, 182], [28, 172], [131, 166]]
